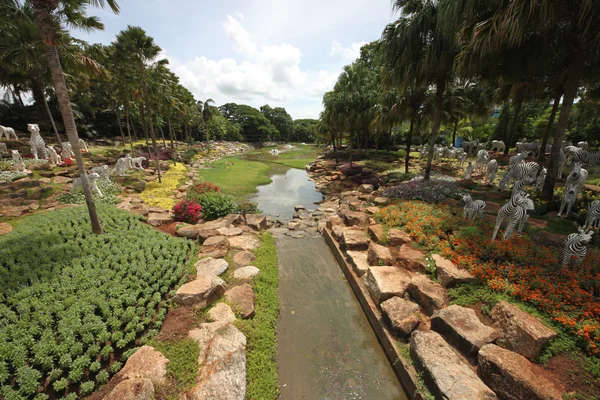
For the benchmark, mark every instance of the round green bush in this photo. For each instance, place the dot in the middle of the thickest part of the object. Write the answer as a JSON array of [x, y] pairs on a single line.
[[216, 205]]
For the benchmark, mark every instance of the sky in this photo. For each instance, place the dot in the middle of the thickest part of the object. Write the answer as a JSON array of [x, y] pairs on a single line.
[[276, 52]]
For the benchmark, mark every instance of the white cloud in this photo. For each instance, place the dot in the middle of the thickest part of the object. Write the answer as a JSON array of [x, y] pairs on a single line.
[[266, 74], [239, 16], [349, 53]]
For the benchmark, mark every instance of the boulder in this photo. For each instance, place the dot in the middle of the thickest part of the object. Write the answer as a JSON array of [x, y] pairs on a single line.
[[243, 258], [246, 273], [366, 188], [463, 329], [158, 219], [376, 233], [386, 282], [445, 373], [215, 246], [244, 242], [521, 331], [358, 260], [396, 237], [5, 228], [355, 218], [411, 259], [234, 219], [372, 210], [512, 376], [204, 234], [221, 312], [381, 201], [147, 363], [241, 299], [333, 221], [401, 314], [449, 274], [430, 295], [210, 267], [256, 222], [379, 255], [62, 179], [293, 225], [338, 231], [232, 231], [354, 240], [200, 292], [187, 231], [132, 389]]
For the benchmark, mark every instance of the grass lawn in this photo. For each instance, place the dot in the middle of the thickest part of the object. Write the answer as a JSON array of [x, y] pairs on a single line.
[[236, 177], [299, 158]]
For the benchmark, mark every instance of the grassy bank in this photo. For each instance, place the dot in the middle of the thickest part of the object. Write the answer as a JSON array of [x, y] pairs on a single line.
[[236, 177], [299, 158]]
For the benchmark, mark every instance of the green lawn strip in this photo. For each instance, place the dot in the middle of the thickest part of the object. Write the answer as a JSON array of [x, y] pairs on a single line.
[[183, 362], [300, 163], [260, 331], [236, 177]]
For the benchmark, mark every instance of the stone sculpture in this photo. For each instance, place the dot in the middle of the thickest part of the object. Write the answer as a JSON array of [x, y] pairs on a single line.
[[54, 157], [92, 178], [38, 146], [576, 246]]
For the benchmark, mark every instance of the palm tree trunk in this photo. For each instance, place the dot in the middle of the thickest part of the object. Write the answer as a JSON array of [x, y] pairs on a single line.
[[513, 125], [119, 121], [337, 160], [129, 129], [162, 134], [542, 154], [145, 127], [51, 120], [43, 20], [154, 141], [454, 133], [437, 120], [574, 76], [409, 141], [172, 141]]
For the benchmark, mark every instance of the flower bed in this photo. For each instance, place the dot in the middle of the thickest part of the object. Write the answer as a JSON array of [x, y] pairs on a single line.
[[432, 191], [518, 267], [157, 194]]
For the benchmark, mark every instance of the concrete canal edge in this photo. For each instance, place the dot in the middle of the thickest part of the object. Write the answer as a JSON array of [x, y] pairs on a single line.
[[405, 372]]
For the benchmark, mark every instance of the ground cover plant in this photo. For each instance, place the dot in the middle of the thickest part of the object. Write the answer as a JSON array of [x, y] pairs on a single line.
[[518, 267], [157, 194], [74, 305], [110, 194], [432, 191]]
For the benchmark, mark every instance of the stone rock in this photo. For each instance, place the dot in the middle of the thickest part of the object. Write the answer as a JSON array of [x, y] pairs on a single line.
[[229, 231], [244, 242], [430, 295], [386, 282], [512, 376], [447, 376], [210, 267], [204, 234], [372, 210], [293, 225], [246, 273], [188, 231], [401, 314], [158, 219], [463, 329], [147, 363], [381, 201], [396, 237], [376, 232], [243, 258], [234, 219], [379, 255], [215, 246], [159, 210], [296, 234], [62, 179], [221, 313], [338, 231], [358, 260], [299, 207], [521, 331], [449, 274], [5, 228], [366, 188], [132, 389], [222, 374], [256, 222], [355, 218], [242, 300], [45, 180], [354, 240], [411, 259], [200, 292], [333, 221]]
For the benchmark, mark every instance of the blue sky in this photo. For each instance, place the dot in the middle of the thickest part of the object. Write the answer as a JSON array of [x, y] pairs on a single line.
[[276, 52]]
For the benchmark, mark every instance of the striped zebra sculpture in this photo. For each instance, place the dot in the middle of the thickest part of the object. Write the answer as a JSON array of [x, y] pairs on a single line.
[[577, 177], [492, 170], [576, 246], [569, 199], [593, 215], [519, 172], [473, 208], [515, 210], [38, 147]]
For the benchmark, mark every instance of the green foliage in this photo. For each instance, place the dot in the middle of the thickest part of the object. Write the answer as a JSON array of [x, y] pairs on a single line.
[[183, 361], [216, 205], [281, 120], [65, 291], [248, 207], [188, 154], [236, 177], [305, 130], [255, 127], [261, 368], [110, 191]]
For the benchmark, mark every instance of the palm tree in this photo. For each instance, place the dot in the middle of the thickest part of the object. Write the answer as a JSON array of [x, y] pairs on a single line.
[[206, 109], [49, 15]]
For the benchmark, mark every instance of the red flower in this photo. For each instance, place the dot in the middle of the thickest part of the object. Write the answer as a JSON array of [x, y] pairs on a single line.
[[187, 211]]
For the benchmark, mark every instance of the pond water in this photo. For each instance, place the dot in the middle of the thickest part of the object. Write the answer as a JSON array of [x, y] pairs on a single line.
[[325, 345]]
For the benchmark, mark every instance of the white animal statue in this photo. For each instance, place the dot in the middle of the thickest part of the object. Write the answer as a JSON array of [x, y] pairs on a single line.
[[482, 160], [577, 177], [137, 162], [123, 165], [469, 170], [54, 157], [8, 133], [492, 169], [539, 184], [514, 210], [18, 161], [583, 145], [83, 145], [67, 151], [38, 146], [569, 198], [473, 208], [103, 171], [517, 158], [92, 178], [576, 246], [287, 146], [275, 152], [3, 148], [461, 158], [593, 215], [498, 146]]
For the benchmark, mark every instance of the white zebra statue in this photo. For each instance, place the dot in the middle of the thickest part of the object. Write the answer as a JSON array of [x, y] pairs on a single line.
[[67, 151], [469, 170], [473, 208], [54, 157], [103, 171], [8, 133], [577, 177], [482, 160], [517, 158], [593, 215], [18, 161], [498, 146], [576, 246], [92, 178], [3, 148], [539, 184], [520, 171], [569, 199], [514, 210], [38, 146], [123, 165], [583, 145], [137, 162], [83, 146], [490, 173]]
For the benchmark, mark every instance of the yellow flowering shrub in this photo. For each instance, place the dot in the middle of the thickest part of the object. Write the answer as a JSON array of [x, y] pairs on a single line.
[[157, 194]]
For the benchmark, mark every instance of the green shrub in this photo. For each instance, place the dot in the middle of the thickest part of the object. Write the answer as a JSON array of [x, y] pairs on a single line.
[[248, 207], [110, 191], [216, 205], [188, 154]]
